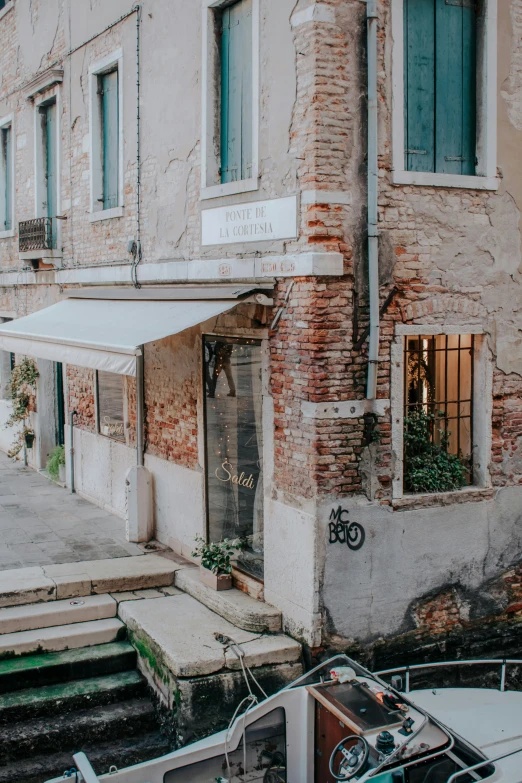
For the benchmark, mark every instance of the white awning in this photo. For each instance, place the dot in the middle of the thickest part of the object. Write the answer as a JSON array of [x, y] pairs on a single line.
[[104, 334]]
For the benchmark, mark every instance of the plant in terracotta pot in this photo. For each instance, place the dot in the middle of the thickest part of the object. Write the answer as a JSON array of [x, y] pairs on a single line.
[[216, 562]]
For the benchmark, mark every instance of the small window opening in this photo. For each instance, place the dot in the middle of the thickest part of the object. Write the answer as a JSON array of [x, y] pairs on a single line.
[[438, 412]]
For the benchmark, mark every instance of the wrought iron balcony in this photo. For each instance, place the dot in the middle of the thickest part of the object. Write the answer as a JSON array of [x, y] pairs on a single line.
[[36, 234]]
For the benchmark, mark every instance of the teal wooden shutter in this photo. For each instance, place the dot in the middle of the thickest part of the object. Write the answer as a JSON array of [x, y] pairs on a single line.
[[236, 92], [6, 218], [455, 129], [419, 85], [440, 72], [110, 138], [50, 167]]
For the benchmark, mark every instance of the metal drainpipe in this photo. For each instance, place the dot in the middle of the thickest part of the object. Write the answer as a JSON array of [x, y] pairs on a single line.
[[71, 448], [373, 175], [140, 407]]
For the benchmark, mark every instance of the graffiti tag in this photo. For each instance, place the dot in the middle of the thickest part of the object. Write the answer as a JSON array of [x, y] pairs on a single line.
[[342, 531]]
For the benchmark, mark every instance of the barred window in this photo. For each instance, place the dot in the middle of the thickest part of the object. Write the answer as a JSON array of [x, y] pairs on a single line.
[[438, 405]]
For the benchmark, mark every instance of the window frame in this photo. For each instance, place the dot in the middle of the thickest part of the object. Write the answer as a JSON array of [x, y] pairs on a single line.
[[9, 122], [52, 95], [487, 179], [482, 412], [125, 413], [211, 186], [7, 7], [113, 62]]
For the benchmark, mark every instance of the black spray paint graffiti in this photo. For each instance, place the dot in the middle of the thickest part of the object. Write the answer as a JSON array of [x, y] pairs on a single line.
[[342, 531]]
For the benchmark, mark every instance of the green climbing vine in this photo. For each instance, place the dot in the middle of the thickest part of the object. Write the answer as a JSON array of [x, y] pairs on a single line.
[[428, 465], [21, 391]]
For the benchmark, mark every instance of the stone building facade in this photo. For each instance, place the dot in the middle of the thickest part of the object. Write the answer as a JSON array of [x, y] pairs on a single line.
[[419, 566]]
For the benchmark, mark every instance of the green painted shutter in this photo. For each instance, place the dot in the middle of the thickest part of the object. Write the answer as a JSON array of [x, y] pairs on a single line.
[[7, 216], [50, 130], [440, 85], [419, 85], [236, 92], [110, 138], [455, 130]]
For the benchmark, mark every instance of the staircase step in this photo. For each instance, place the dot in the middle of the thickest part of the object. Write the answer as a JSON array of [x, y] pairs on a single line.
[[64, 698], [32, 671], [96, 725], [70, 580], [29, 617], [119, 754], [62, 637], [234, 605]]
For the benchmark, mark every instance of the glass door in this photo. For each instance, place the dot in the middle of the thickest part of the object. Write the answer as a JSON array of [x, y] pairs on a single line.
[[234, 445]]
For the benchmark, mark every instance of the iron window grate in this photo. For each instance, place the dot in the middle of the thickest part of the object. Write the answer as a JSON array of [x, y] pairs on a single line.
[[438, 380], [36, 234]]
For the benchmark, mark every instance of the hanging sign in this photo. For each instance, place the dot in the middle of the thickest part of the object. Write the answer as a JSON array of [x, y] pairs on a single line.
[[258, 221]]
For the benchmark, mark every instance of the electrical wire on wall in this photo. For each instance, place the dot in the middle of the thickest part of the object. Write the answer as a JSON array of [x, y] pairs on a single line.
[[137, 250]]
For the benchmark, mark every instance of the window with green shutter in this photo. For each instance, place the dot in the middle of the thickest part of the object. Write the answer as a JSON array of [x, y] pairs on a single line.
[[440, 85], [110, 121], [236, 92], [6, 206]]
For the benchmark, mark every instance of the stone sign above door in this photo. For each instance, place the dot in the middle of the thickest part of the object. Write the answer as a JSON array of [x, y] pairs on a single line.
[[257, 221]]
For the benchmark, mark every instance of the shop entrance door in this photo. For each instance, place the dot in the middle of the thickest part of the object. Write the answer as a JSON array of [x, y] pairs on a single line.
[[234, 446]]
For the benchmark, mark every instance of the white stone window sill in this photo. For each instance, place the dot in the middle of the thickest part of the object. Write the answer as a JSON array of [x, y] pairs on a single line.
[[230, 188], [429, 179], [443, 498], [106, 214], [6, 9], [5, 234]]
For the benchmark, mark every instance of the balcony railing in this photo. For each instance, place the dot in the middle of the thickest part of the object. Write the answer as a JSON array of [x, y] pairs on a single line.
[[37, 234]]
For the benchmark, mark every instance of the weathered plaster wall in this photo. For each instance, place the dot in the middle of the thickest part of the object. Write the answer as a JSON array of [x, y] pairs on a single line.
[[406, 555]]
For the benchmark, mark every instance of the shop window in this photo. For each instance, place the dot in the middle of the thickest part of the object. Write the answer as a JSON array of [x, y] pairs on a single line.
[[110, 403], [438, 412], [6, 184], [440, 85], [234, 445], [264, 758]]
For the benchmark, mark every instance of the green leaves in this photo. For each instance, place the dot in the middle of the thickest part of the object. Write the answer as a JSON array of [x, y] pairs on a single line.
[[428, 465], [56, 458], [216, 556]]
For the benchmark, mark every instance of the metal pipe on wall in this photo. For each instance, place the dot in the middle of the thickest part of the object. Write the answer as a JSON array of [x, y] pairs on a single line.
[[71, 448], [140, 407], [373, 181]]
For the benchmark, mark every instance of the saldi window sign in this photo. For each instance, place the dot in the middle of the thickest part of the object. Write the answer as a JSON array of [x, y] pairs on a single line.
[[258, 221]]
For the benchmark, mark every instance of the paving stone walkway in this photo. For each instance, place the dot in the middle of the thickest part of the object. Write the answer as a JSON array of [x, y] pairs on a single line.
[[42, 523]]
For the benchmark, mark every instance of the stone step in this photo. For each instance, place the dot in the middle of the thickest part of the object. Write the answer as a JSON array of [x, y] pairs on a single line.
[[62, 637], [29, 617], [120, 754], [70, 580], [97, 725], [186, 639], [31, 671], [234, 605], [66, 698]]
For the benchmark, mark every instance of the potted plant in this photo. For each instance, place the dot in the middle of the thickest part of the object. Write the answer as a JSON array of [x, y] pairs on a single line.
[[215, 570], [29, 437], [56, 464]]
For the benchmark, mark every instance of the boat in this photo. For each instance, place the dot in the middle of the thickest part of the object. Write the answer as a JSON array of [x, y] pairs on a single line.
[[340, 722]]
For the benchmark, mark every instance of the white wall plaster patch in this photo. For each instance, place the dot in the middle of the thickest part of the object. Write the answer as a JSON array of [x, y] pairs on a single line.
[[326, 197], [348, 409], [319, 12]]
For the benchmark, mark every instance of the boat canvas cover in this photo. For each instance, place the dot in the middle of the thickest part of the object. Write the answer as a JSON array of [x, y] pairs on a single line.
[[104, 334]]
